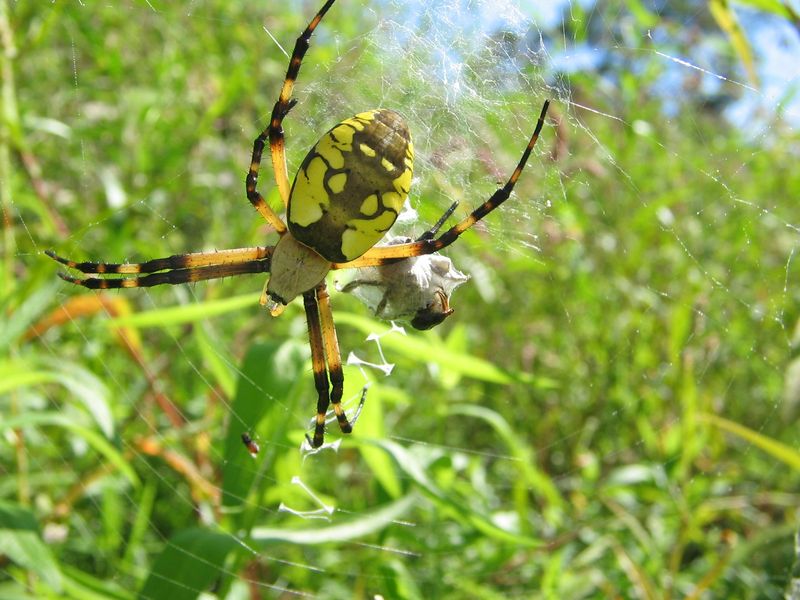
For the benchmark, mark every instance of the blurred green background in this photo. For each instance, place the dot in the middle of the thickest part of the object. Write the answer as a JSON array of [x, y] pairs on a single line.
[[612, 410]]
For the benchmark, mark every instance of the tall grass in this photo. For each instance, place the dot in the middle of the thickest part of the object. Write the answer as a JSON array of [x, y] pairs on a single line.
[[606, 414]]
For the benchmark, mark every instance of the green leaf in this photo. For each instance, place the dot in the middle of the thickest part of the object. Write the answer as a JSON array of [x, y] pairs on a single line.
[[31, 306], [216, 359], [371, 425], [83, 384], [776, 7], [187, 313], [531, 477], [138, 530], [456, 341], [263, 402], [92, 438], [21, 373], [79, 584], [781, 451], [90, 390], [189, 565], [14, 516], [21, 543], [411, 466], [729, 23]]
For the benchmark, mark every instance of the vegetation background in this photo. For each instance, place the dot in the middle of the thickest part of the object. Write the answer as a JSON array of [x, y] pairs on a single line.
[[611, 412]]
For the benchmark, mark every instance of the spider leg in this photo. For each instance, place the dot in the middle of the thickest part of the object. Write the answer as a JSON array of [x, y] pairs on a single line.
[[431, 233], [274, 132], [332, 356], [380, 255], [173, 277], [317, 364], [180, 268], [176, 261]]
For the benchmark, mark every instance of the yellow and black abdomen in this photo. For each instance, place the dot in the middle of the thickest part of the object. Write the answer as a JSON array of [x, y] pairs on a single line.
[[352, 184]]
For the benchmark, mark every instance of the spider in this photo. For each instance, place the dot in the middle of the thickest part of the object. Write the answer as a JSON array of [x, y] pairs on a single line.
[[346, 195]]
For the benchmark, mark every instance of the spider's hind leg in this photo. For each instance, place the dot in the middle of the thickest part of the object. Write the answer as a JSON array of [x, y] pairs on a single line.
[[172, 270], [333, 356], [326, 361], [318, 365]]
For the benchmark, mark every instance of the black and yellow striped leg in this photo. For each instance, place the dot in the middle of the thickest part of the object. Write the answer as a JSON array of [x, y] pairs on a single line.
[[318, 365], [326, 362], [274, 133], [176, 261], [177, 269], [500, 196], [332, 356], [380, 255], [173, 277]]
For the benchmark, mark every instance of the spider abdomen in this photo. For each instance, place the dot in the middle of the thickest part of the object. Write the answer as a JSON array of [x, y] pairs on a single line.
[[352, 184]]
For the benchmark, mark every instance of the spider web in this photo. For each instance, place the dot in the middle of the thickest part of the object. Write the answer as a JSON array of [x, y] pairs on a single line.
[[470, 77]]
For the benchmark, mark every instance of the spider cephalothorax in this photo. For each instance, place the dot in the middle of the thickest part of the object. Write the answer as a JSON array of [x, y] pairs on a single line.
[[346, 195]]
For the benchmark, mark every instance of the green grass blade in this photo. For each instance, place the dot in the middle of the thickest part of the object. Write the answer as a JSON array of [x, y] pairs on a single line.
[[21, 543], [261, 406], [781, 451], [92, 438], [189, 565], [82, 383], [415, 470], [531, 476], [726, 19], [185, 313]]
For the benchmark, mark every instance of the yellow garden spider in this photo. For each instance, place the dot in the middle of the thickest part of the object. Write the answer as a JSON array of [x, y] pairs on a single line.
[[346, 195]]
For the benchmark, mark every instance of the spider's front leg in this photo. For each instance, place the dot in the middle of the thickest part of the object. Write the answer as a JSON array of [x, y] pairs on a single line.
[[383, 255], [274, 131]]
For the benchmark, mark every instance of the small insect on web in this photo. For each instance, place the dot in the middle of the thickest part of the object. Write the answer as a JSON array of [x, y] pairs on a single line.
[[251, 445], [346, 195]]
